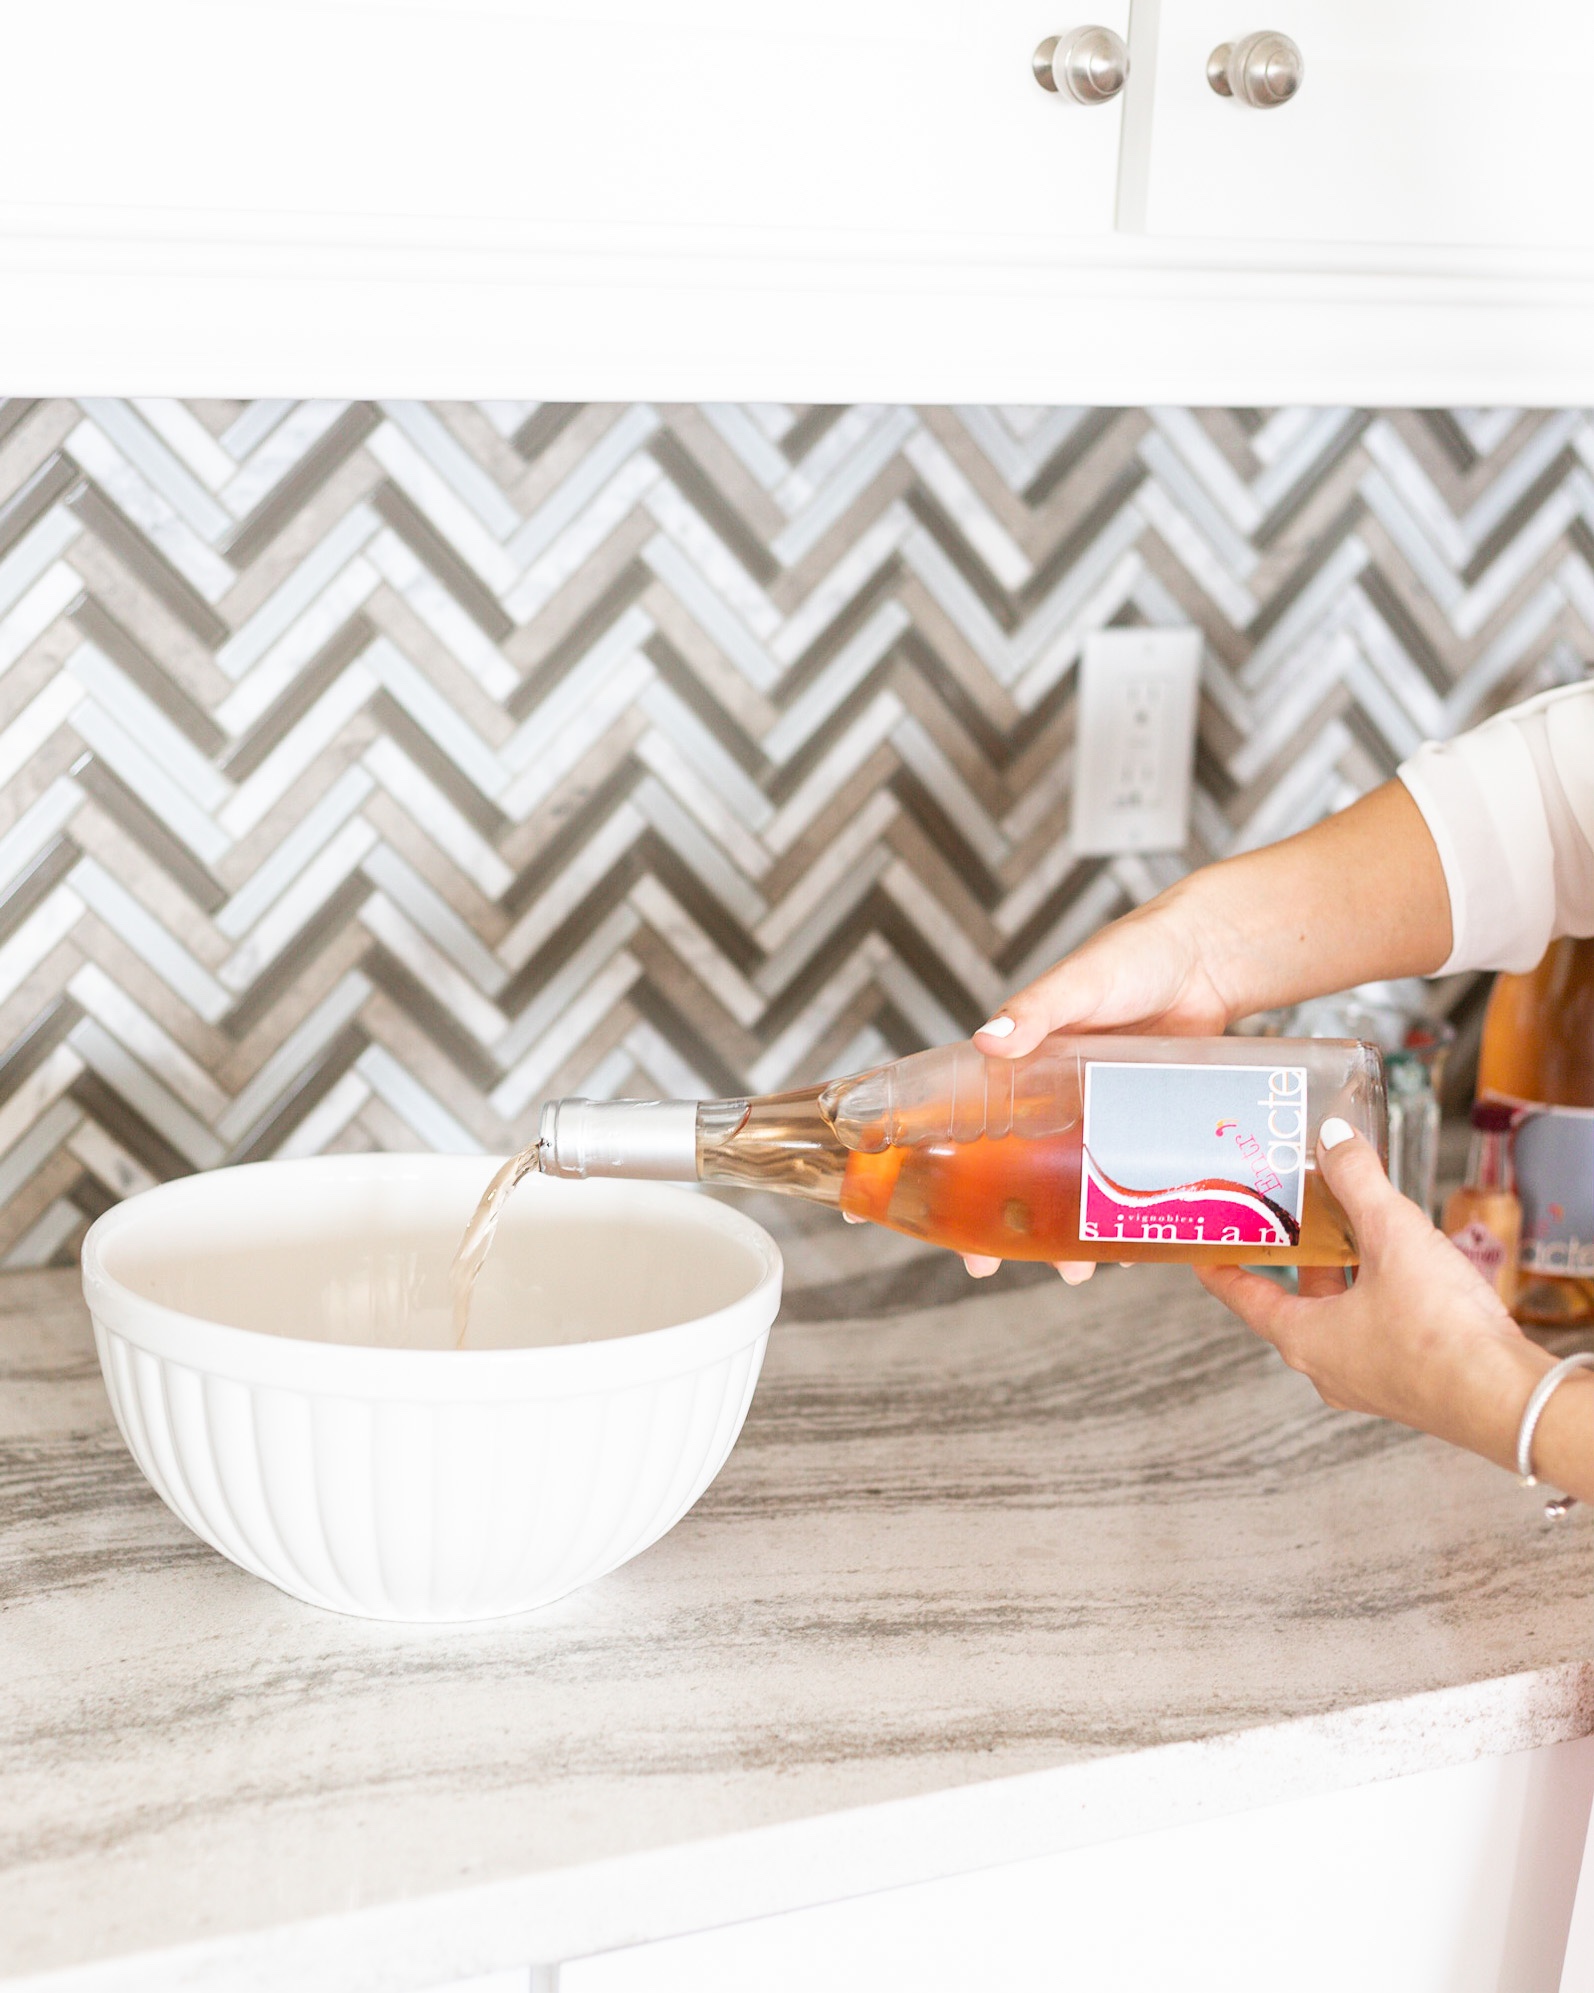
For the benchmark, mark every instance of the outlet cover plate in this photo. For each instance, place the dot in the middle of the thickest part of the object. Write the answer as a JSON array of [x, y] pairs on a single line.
[[1134, 749]]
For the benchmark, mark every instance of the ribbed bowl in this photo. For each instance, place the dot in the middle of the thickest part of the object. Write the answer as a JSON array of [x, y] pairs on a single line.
[[621, 1329]]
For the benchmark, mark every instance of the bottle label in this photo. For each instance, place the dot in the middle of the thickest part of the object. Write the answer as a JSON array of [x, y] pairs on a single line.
[[1193, 1155], [1486, 1252], [1553, 1148]]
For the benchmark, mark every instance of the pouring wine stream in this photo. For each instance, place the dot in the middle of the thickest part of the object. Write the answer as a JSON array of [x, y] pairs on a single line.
[[477, 1242]]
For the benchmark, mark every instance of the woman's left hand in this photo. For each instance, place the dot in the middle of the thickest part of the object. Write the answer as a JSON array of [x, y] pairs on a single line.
[[1421, 1337]]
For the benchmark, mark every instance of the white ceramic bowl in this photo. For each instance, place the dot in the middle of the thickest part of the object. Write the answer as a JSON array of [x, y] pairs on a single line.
[[617, 1337]]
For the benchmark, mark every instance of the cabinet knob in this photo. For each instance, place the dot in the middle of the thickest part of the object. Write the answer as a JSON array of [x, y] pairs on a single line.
[[1091, 65], [1264, 70]]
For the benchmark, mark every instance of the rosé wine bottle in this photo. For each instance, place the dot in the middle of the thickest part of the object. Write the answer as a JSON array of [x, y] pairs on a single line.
[[1115, 1148]]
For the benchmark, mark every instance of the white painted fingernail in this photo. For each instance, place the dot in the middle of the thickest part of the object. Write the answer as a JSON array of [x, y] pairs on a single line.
[[1334, 1131], [999, 1027]]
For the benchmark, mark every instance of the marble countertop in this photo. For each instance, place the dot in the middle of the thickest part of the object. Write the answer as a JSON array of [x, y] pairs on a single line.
[[995, 1570]]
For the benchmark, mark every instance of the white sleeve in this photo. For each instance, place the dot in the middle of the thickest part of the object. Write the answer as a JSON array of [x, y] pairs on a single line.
[[1511, 808]]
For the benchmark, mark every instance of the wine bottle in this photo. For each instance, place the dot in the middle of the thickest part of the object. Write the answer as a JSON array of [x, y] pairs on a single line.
[[1483, 1218], [1193, 1149], [1538, 1055]]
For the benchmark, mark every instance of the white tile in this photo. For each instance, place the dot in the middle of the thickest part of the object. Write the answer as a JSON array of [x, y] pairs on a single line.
[[27, 620], [714, 762], [698, 851], [564, 556], [278, 872], [34, 552], [841, 857], [142, 1091], [779, 1060], [624, 636], [432, 969], [293, 754], [854, 571], [146, 776], [303, 900], [149, 940], [109, 1161], [708, 553], [555, 758], [110, 1005], [187, 438], [464, 639], [701, 800], [455, 465], [946, 938], [39, 1091], [249, 430], [436, 919], [278, 449], [299, 645], [327, 1120], [606, 940], [151, 511], [582, 487], [452, 833], [687, 940], [581, 1017], [49, 923], [299, 1049], [597, 856], [43, 819], [45, 1236], [747, 438], [842, 760], [289, 600], [139, 716], [974, 519], [921, 753], [34, 725], [35, 1149], [443, 509], [1183, 429], [839, 679], [508, 416], [835, 491], [418, 1109], [436, 718], [137, 438], [711, 613]]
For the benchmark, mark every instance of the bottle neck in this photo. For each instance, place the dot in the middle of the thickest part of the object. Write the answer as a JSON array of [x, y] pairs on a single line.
[[1489, 1162], [652, 1139]]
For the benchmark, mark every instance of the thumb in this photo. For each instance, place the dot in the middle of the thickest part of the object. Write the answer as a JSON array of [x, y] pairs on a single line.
[[1352, 1171]]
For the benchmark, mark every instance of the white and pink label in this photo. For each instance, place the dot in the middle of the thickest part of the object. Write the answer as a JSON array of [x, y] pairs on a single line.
[[1193, 1155]]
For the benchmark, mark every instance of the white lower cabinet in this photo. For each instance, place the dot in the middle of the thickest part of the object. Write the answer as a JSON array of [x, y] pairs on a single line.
[[1460, 1880]]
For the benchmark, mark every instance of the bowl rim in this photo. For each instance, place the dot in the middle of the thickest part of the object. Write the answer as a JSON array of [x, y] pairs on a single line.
[[304, 1363]]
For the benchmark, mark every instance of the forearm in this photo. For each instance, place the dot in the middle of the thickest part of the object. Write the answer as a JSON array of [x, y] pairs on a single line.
[[1359, 897]]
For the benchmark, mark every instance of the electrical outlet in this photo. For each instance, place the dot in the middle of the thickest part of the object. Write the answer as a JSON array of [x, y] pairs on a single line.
[[1135, 744]]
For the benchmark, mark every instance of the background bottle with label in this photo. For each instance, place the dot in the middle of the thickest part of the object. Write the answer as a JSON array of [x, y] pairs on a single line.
[[1483, 1218], [1538, 1055], [1191, 1149]]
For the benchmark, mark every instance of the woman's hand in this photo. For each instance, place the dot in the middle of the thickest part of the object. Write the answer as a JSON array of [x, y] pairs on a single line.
[[1150, 972], [1420, 1338], [1357, 897]]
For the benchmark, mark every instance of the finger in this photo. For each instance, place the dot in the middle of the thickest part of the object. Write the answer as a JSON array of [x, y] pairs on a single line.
[[1322, 1283], [1352, 1171], [1075, 1271], [1262, 1305], [980, 1266], [1065, 995]]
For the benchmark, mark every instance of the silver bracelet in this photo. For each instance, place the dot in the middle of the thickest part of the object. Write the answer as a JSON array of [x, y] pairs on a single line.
[[1541, 1394]]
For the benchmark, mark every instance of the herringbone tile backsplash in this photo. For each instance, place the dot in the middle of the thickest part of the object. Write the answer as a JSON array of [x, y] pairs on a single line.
[[371, 772]]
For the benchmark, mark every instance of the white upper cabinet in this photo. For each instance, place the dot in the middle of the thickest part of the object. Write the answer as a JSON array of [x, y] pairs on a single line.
[[1428, 122], [821, 122]]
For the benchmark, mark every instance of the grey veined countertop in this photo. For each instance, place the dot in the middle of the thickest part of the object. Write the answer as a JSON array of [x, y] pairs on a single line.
[[995, 1570]]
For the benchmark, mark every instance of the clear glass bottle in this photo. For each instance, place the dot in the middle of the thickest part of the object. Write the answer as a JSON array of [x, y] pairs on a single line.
[[1484, 1216], [1088, 1148], [1538, 1054]]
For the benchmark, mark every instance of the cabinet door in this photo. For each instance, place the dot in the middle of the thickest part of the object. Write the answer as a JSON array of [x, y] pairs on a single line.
[[823, 124], [1418, 121]]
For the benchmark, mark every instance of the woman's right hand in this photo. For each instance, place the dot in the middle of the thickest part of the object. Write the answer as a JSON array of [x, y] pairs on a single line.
[[1150, 971]]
